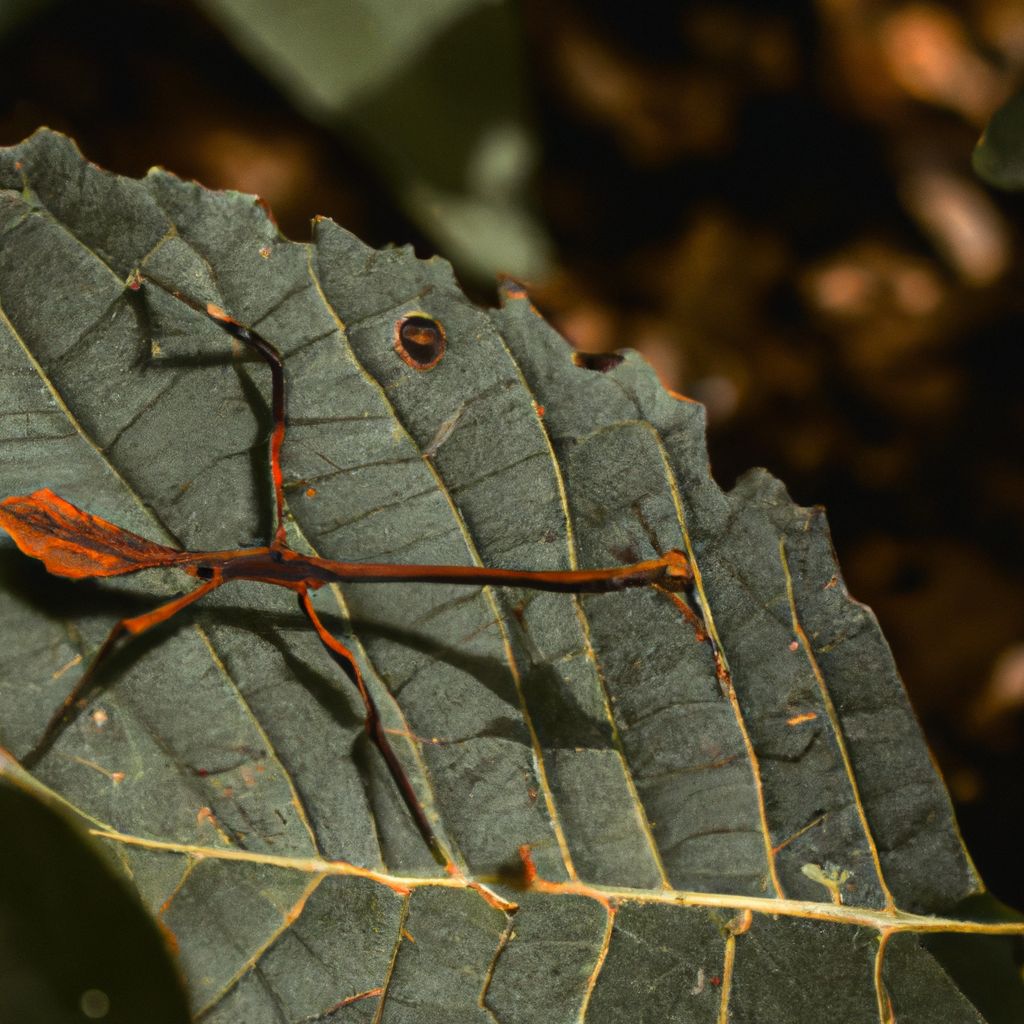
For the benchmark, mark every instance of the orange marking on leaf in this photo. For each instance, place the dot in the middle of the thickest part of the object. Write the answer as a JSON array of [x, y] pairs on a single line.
[[75, 544], [265, 207], [807, 716], [71, 664], [409, 936], [681, 397], [699, 630], [741, 923], [217, 313], [295, 912], [529, 868], [512, 289], [368, 994], [412, 737], [170, 939], [206, 815], [492, 899], [721, 672], [533, 882], [115, 777], [402, 890]]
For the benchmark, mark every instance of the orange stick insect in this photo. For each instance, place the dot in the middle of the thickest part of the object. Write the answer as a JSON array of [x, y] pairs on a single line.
[[77, 545]]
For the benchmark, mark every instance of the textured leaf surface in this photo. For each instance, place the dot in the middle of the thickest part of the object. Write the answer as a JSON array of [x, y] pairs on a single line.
[[729, 805]]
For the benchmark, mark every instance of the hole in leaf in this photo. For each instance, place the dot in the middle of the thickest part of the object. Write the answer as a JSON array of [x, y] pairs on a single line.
[[420, 341], [600, 361]]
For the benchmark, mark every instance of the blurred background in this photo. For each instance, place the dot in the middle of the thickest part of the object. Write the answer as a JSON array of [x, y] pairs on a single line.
[[771, 199]]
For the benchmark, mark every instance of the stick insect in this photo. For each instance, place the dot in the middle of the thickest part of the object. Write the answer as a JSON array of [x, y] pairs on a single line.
[[77, 545]]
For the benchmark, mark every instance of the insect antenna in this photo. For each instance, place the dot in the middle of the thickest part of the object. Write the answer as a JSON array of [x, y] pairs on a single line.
[[275, 361]]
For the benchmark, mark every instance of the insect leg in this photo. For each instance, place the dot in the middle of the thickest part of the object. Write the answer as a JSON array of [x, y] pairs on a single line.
[[375, 730], [134, 626], [275, 361]]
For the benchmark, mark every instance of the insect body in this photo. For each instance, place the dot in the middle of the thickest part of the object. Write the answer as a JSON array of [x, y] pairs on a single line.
[[74, 544]]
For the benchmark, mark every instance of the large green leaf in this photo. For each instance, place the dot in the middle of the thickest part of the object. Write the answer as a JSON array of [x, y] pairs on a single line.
[[728, 802], [74, 943], [435, 93]]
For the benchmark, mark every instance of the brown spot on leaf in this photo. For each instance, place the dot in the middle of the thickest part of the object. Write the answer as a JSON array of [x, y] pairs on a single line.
[[806, 716], [370, 993], [420, 340]]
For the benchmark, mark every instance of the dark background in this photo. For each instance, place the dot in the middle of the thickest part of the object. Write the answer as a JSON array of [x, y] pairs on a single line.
[[773, 201]]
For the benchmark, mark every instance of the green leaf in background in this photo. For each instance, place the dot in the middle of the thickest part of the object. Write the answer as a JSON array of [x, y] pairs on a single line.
[[998, 157], [730, 807], [435, 95], [75, 945]]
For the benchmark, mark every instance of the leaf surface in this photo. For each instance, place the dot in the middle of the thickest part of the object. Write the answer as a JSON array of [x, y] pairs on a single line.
[[728, 803]]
